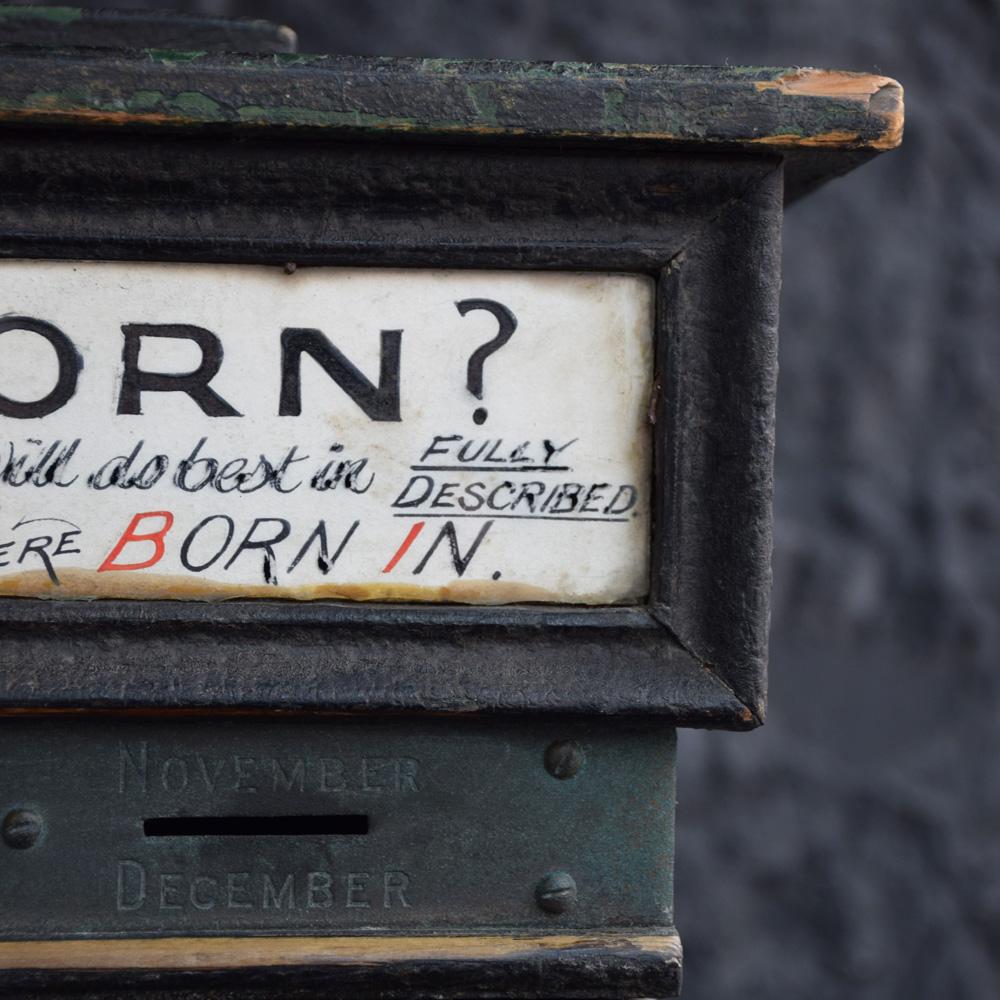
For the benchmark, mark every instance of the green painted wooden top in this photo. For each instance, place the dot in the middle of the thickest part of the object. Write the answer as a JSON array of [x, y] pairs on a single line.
[[775, 107], [821, 122]]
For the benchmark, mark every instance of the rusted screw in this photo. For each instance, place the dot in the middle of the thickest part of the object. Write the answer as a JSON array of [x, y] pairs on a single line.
[[21, 829], [556, 893], [564, 758]]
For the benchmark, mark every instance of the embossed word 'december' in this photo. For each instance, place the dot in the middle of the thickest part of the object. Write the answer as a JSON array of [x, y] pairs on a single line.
[[219, 431]]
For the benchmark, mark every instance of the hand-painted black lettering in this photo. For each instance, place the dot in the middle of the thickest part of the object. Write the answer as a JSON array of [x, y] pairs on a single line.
[[186, 465], [277, 480], [356, 476], [263, 544], [70, 363], [508, 324], [568, 500], [552, 449], [52, 473], [624, 500], [473, 491], [445, 493], [135, 381], [416, 483], [493, 503], [66, 539], [38, 546], [43, 469], [433, 449], [379, 402], [460, 562], [593, 497], [471, 450], [231, 475], [530, 492], [324, 561], [193, 534], [353, 473], [117, 471]]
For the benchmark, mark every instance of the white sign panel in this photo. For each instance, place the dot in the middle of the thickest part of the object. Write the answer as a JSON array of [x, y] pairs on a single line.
[[219, 431]]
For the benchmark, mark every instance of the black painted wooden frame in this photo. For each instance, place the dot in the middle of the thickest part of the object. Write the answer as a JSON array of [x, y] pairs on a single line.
[[707, 226]]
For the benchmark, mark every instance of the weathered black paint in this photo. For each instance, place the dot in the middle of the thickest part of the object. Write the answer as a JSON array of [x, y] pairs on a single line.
[[195, 383], [665, 215], [459, 165]]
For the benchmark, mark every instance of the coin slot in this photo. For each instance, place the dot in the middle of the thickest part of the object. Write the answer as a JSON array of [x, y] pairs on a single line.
[[256, 826]]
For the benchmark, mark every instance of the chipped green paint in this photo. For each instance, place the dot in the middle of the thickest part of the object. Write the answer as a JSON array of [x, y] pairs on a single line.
[[614, 116], [198, 105], [194, 107], [169, 56], [58, 15], [145, 100], [41, 99], [257, 115], [732, 106], [484, 99], [46, 99], [761, 72], [444, 67], [287, 59], [573, 68]]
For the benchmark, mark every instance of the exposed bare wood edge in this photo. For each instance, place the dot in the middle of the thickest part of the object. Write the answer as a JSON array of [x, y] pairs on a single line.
[[882, 96], [204, 953], [810, 82], [889, 104]]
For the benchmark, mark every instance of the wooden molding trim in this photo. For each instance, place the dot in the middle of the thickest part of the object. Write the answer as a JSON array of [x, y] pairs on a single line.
[[215, 953]]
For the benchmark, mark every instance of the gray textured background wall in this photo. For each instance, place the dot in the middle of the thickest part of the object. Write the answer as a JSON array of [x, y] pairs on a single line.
[[851, 848]]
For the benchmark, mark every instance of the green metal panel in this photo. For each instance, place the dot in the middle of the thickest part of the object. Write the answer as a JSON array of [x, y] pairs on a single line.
[[142, 826]]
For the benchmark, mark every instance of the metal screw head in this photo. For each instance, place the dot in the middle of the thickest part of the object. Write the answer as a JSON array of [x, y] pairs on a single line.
[[556, 893], [21, 829], [564, 758]]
